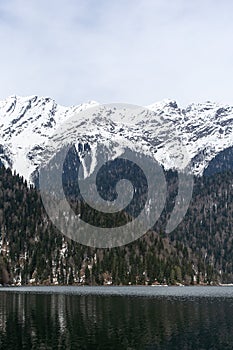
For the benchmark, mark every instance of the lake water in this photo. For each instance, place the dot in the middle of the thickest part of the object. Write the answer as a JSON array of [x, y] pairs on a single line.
[[116, 318]]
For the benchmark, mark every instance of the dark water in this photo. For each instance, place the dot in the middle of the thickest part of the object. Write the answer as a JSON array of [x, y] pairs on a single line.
[[116, 318]]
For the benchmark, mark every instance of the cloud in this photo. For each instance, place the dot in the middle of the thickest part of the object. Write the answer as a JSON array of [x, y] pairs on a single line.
[[117, 51]]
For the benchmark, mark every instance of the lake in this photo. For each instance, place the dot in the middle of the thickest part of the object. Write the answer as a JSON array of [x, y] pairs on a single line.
[[116, 318]]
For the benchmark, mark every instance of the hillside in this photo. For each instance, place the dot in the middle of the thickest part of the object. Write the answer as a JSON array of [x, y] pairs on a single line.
[[198, 251]]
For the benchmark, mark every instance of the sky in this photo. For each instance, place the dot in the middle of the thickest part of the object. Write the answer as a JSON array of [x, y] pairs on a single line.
[[131, 51]]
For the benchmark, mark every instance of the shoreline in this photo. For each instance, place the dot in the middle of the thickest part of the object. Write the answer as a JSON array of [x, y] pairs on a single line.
[[114, 286]]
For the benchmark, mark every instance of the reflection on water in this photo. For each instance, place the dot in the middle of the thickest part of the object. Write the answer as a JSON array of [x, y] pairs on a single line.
[[59, 321]]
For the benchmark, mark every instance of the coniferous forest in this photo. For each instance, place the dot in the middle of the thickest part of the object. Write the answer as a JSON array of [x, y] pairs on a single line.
[[199, 251]]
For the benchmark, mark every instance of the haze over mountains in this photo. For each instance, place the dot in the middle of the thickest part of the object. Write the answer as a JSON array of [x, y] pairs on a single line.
[[27, 123]]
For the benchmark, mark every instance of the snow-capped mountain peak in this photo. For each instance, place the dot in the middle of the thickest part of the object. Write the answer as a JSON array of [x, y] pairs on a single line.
[[27, 123]]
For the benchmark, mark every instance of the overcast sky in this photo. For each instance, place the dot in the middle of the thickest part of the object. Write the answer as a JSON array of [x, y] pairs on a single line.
[[133, 51]]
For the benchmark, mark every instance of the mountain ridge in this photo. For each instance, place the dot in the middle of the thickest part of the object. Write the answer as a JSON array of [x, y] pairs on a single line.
[[27, 123]]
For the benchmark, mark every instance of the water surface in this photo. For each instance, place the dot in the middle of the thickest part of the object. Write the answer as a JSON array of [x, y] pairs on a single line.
[[116, 318]]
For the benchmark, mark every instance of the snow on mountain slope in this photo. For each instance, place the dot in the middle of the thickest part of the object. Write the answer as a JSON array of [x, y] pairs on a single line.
[[27, 123]]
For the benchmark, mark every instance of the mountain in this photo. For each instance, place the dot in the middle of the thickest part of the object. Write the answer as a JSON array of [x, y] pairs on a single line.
[[28, 123], [199, 250]]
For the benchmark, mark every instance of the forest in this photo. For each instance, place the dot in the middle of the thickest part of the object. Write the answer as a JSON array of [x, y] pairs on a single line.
[[198, 251]]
